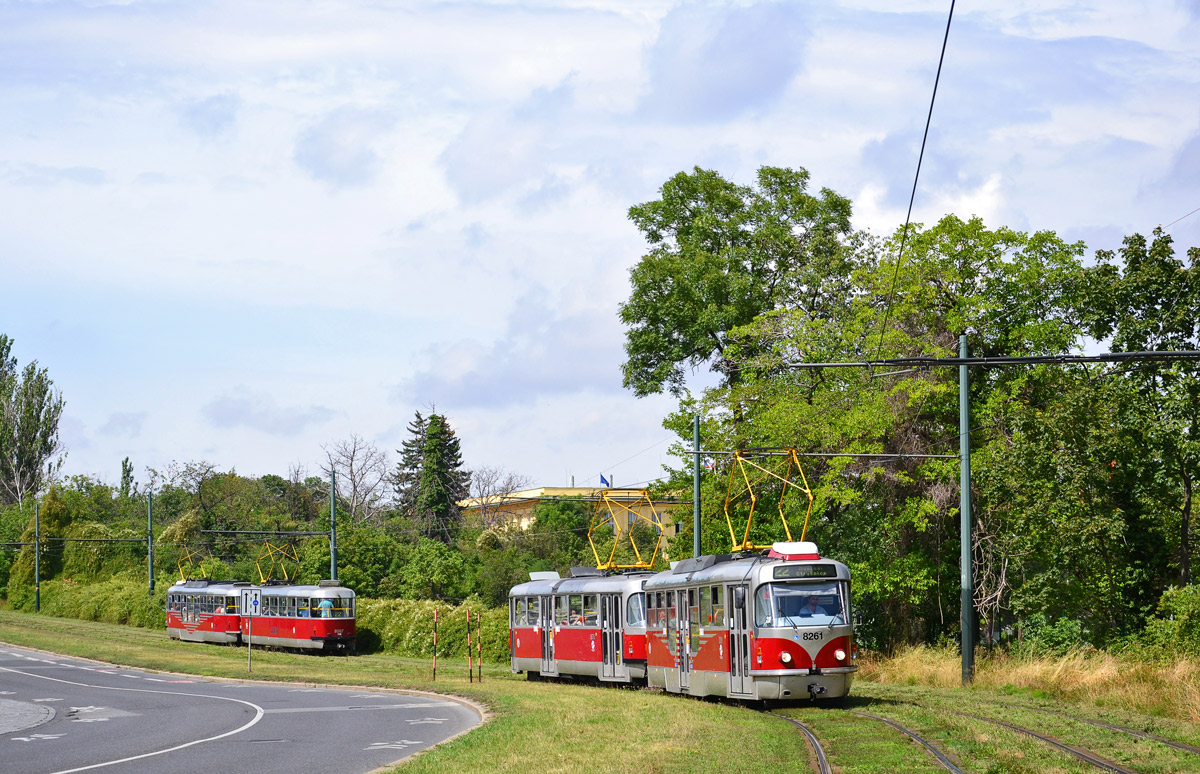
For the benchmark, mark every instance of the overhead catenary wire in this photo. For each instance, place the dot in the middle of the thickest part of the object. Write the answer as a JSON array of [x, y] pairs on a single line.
[[912, 197], [1172, 223]]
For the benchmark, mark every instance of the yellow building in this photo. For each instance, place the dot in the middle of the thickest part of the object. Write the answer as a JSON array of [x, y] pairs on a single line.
[[515, 509]]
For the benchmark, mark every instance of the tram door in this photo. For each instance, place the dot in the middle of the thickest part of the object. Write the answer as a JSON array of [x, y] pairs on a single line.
[[684, 656], [610, 632], [546, 619], [739, 640]]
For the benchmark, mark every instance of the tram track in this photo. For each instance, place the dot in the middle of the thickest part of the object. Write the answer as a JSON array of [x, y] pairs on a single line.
[[1080, 753], [1109, 726], [941, 757], [823, 766]]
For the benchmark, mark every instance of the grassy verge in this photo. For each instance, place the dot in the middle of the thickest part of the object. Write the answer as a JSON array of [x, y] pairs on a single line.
[[1166, 689], [535, 726]]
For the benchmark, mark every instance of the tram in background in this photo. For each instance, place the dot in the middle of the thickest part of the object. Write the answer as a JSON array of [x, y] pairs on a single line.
[[775, 625], [300, 617]]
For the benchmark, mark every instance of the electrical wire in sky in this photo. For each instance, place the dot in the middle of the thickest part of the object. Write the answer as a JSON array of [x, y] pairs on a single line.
[[908, 218]]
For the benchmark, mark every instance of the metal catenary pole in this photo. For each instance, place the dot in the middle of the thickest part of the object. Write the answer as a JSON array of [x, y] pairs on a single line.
[[150, 539], [435, 616], [479, 644], [967, 622], [332, 523], [37, 558], [470, 666], [696, 486]]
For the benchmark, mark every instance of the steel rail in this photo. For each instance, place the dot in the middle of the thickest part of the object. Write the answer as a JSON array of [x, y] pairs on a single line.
[[822, 762], [1084, 755], [1110, 726], [946, 762]]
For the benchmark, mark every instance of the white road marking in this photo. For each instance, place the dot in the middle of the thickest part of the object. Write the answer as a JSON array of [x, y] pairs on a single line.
[[397, 745], [86, 709], [90, 720], [46, 699], [425, 721], [36, 737], [258, 715]]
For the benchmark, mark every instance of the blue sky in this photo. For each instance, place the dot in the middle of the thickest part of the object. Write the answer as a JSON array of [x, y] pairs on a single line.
[[239, 232]]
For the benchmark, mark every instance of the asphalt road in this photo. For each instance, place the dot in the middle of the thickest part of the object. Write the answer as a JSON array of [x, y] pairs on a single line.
[[60, 715]]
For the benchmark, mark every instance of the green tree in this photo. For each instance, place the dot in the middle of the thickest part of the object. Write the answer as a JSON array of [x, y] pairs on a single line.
[[30, 410], [443, 481], [1152, 302], [720, 255], [407, 478]]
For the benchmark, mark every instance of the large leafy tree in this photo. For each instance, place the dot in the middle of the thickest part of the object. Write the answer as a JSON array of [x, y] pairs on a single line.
[[1151, 301], [30, 410], [720, 255]]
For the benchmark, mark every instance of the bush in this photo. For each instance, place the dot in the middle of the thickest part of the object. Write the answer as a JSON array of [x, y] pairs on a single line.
[[1175, 628], [1043, 637], [118, 600]]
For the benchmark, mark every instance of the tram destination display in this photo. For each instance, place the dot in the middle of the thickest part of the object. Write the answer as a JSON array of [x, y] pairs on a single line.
[[806, 571]]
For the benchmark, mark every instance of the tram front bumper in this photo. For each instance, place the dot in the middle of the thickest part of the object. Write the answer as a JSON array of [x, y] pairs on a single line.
[[804, 684]]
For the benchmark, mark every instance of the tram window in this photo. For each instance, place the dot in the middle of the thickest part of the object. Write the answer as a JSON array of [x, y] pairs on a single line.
[[591, 609], [518, 615], [560, 611], [532, 616], [291, 607], [576, 616], [635, 610], [800, 604], [718, 605], [671, 609], [694, 617]]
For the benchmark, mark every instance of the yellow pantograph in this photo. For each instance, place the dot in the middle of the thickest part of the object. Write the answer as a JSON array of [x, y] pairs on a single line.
[[277, 555], [613, 514], [751, 469]]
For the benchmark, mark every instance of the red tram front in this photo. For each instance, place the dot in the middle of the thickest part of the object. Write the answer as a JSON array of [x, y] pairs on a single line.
[[774, 626]]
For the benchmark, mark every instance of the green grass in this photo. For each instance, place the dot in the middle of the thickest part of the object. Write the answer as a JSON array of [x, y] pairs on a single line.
[[553, 727]]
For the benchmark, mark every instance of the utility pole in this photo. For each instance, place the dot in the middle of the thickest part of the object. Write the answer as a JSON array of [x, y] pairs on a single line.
[[332, 522], [967, 617], [696, 485], [37, 558], [150, 538]]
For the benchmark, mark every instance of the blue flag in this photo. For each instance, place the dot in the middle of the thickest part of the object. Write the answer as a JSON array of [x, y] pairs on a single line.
[[604, 480]]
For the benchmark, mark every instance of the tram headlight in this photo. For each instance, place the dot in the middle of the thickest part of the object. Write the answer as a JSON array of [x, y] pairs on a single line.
[[785, 657], [839, 654]]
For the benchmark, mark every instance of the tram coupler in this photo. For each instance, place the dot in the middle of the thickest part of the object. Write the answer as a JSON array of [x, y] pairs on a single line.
[[815, 690]]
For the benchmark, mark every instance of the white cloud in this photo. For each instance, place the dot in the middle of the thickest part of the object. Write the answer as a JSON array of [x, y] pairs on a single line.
[[357, 209], [260, 411]]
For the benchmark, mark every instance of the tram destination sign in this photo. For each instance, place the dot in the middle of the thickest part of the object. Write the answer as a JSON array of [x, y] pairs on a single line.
[[806, 571]]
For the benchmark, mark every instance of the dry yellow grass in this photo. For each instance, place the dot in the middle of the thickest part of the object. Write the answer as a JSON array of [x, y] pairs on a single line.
[[1168, 689]]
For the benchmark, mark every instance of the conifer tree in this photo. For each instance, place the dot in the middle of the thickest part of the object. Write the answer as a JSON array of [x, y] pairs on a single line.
[[443, 481]]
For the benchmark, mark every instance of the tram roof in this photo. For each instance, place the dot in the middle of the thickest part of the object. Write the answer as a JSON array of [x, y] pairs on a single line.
[[728, 569]]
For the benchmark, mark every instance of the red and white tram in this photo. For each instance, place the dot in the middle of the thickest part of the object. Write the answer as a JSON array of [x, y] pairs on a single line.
[[590, 625], [320, 617], [769, 626]]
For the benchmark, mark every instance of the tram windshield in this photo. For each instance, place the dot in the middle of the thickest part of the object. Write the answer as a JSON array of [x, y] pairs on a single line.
[[800, 604]]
